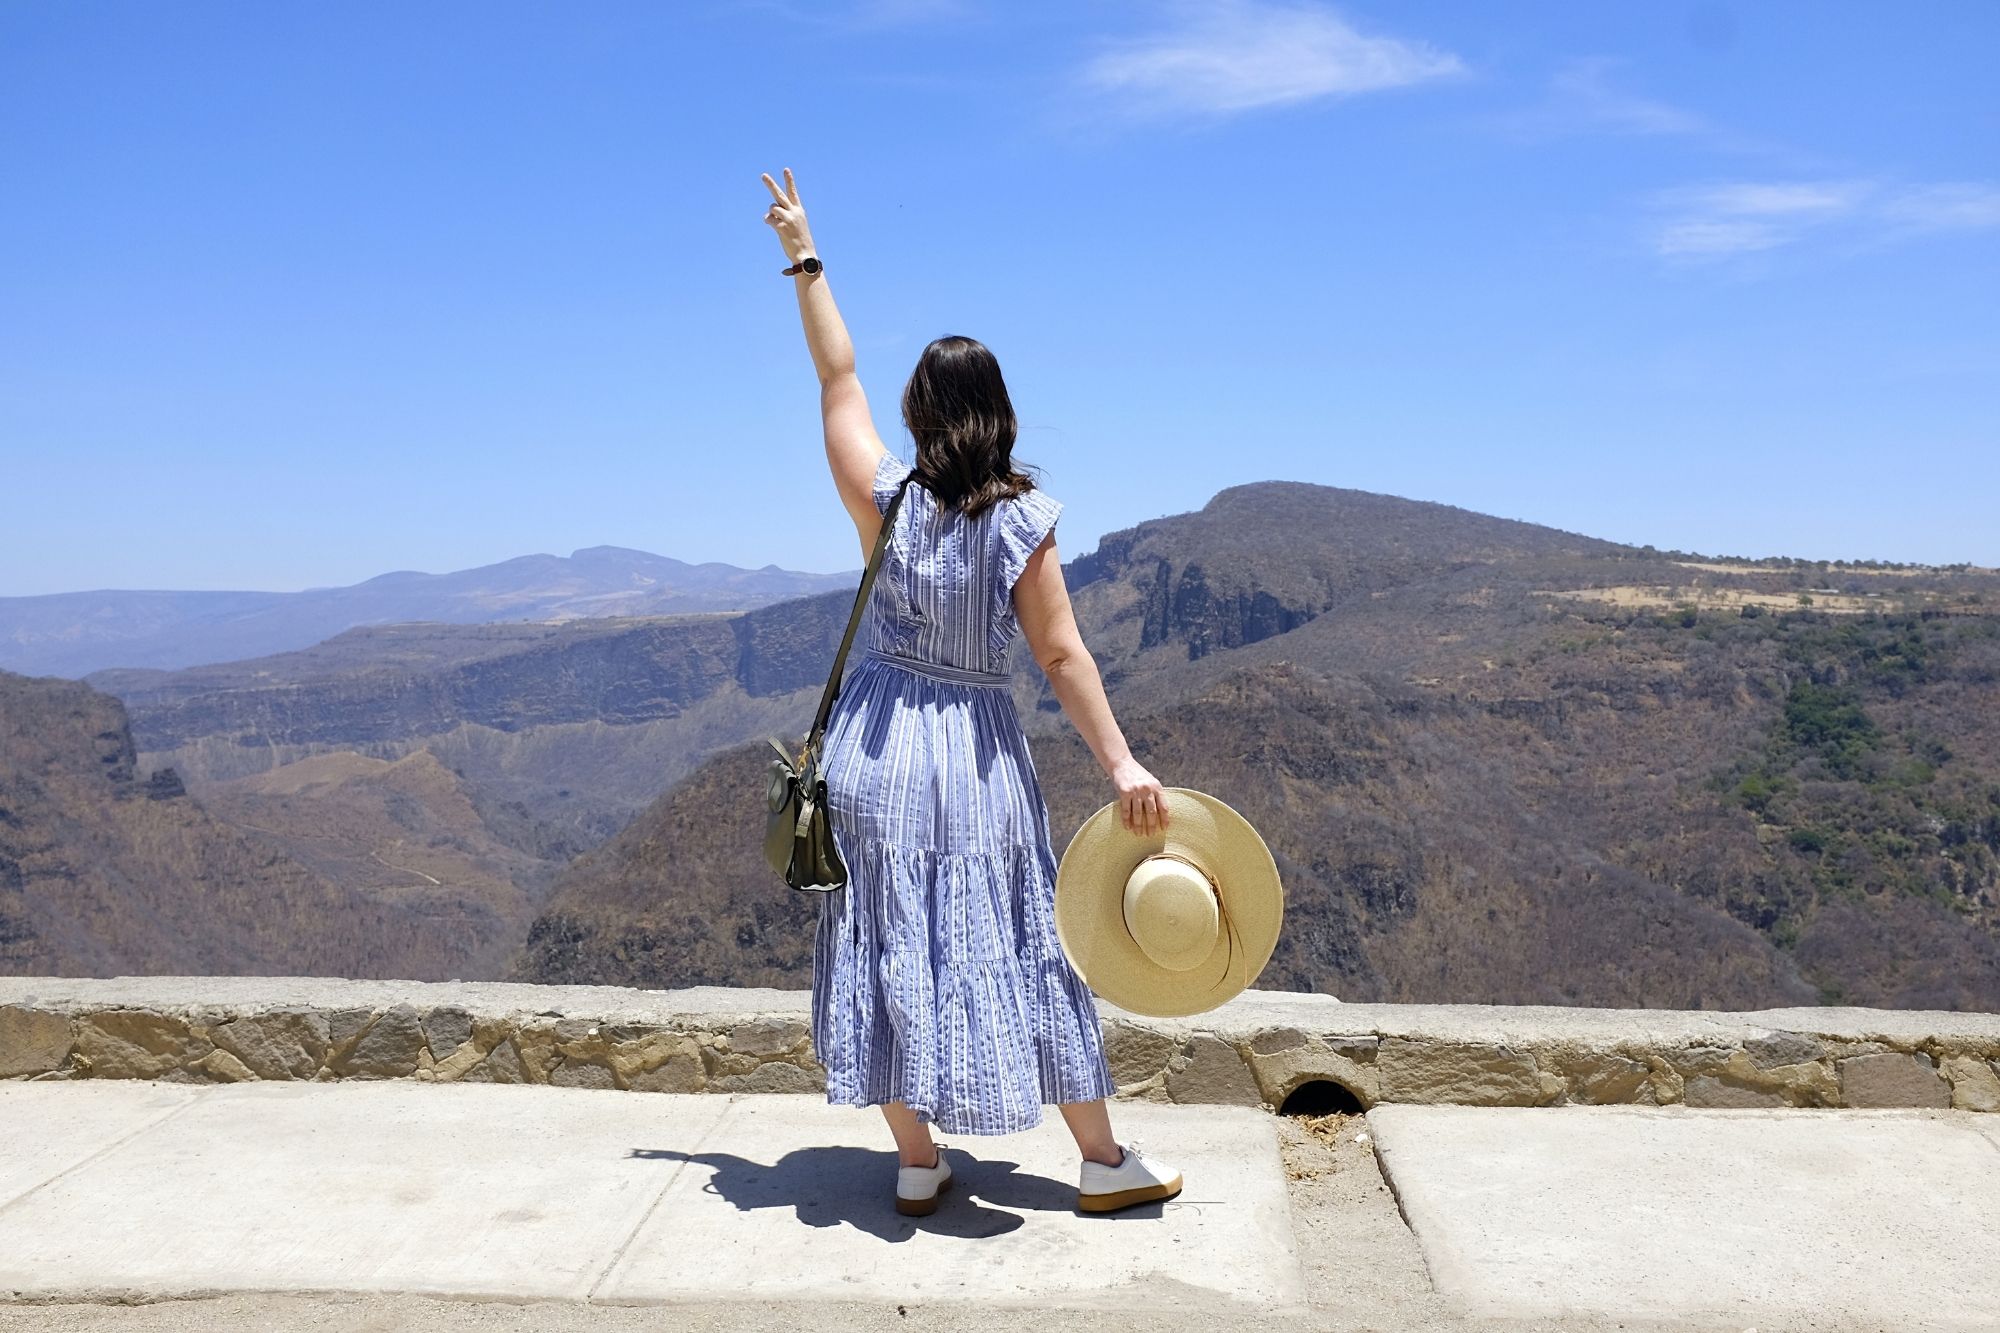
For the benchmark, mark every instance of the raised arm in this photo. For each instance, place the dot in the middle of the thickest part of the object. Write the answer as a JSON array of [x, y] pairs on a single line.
[[853, 449]]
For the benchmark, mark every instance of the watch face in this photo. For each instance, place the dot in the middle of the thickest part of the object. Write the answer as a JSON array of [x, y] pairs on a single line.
[[810, 264]]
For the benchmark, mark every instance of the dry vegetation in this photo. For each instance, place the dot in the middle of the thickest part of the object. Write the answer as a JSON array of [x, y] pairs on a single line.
[[1671, 782], [1475, 793]]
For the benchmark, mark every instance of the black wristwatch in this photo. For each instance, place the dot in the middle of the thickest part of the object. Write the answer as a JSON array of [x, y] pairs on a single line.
[[810, 264]]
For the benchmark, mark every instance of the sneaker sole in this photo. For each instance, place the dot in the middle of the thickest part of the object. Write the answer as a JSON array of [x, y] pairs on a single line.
[[922, 1207], [1104, 1203]]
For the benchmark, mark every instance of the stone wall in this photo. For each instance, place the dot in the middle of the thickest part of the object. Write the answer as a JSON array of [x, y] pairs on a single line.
[[1255, 1050]]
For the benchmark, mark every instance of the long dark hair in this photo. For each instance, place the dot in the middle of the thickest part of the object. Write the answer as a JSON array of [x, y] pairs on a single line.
[[957, 410]]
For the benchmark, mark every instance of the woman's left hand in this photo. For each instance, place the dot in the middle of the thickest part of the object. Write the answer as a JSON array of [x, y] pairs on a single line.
[[788, 218]]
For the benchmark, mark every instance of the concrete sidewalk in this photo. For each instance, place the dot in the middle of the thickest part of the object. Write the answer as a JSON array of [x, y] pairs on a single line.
[[148, 1191], [135, 1207], [1857, 1219]]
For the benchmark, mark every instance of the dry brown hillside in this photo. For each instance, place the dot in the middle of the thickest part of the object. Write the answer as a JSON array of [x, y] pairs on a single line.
[[107, 870], [1479, 785]]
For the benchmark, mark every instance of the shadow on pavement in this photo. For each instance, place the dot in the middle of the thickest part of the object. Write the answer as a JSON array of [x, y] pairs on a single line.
[[837, 1185]]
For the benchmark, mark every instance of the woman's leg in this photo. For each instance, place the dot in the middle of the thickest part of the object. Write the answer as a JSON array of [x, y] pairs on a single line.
[[914, 1146], [1090, 1123]]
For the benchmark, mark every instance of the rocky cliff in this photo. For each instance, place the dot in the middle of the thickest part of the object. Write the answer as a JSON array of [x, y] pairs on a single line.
[[1497, 762], [106, 868], [1494, 764]]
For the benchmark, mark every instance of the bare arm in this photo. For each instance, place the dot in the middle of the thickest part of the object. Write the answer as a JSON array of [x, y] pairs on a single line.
[[1041, 604], [853, 449]]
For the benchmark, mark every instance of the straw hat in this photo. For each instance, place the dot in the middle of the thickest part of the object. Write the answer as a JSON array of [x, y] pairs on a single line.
[[1174, 923]]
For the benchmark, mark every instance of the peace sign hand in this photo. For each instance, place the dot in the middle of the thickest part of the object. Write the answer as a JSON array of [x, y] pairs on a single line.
[[788, 218]]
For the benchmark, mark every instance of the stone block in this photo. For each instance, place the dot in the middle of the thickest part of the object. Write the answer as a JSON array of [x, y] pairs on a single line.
[[137, 1043], [680, 1072], [32, 1041], [1214, 1075], [765, 1037], [1691, 1060], [1281, 1073], [1892, 1078], [502, 1065], [635, 1057], [1361, 1050], [343, 1026], [1783, 1048], [1708, 1090], [582, 1075], [454, 1066], [1465, 1073], [538, 1050], [1601, 1078], [386, 1048], [1975, 1086], [488, 1032], [618, 1034], [224, 1067], [771, 1076], [446, 1028], [589, 1048], [291, 1043], [1136, 1054], [1271, 1041], [727, 1064], [1739, 1081]]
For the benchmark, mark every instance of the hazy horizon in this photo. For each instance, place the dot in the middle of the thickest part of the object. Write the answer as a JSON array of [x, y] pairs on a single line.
[[1070, 551]]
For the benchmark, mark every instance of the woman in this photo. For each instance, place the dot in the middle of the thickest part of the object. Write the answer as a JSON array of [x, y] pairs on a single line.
[[940, 989]]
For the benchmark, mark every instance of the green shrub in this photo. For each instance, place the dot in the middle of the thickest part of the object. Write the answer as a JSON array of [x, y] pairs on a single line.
[[1830, 722]]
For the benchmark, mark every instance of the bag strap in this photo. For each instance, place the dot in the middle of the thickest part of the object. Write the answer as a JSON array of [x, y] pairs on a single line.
[[854, 618]]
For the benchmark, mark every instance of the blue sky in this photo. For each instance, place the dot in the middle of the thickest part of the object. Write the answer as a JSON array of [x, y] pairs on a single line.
[[296, 295]]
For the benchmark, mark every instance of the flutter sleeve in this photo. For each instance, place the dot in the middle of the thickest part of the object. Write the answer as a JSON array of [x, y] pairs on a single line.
[[1024, 521], [889, 473]]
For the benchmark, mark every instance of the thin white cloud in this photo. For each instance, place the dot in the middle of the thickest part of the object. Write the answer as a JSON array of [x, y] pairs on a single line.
[[1581, 98], [1716, 236], [1583, 88], [1240, 55], [1787, 199], [1742, 217], [1946, 206], [1584, 97]]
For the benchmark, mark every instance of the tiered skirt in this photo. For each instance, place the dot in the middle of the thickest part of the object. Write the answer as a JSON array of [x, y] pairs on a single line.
[[938, 977]]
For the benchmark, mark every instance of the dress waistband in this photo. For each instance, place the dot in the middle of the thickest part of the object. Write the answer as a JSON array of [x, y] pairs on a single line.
[[939, 670]]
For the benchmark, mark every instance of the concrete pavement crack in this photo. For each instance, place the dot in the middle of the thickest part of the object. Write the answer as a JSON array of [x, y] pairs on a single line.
[[604, 1274], [110, 1147]]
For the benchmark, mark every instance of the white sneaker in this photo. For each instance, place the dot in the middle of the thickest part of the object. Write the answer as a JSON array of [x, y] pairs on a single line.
[[918, 1187], [1137, 1179]]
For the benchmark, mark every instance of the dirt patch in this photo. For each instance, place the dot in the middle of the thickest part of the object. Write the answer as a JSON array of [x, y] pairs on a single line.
[[1636, 596]]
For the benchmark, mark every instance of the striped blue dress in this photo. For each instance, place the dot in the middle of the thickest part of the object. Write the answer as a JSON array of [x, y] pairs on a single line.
[[938, 978]]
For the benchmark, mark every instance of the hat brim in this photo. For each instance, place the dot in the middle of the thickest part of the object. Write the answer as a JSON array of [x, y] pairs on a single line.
[[1090, 898]]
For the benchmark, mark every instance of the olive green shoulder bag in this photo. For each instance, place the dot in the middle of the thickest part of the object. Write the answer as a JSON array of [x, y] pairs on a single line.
[[798, 836]]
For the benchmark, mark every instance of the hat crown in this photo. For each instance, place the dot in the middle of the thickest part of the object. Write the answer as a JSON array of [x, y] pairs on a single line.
[[1171, 911]]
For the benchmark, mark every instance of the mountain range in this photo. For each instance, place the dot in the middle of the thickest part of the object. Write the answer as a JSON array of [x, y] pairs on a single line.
[[74, 634], [1495, 762]]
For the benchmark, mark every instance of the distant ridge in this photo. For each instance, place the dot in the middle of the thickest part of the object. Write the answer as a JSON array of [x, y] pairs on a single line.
[[74, 634]]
